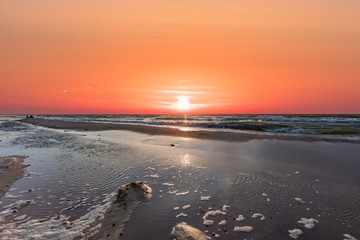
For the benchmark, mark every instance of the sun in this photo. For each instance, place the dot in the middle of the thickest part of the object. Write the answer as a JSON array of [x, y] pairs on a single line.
[[183, 103]]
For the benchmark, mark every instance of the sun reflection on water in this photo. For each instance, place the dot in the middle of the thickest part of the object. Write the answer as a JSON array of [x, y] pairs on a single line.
[[186, 160]]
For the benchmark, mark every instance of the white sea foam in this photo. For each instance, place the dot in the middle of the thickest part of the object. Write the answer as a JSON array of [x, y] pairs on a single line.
[[181, 215], [182, 193], [308, 222], [169, 184], [57, 227], [257, 215], [349, 237], [299, 200], [208, 222], [243, 229], [222, 222], [295, 233], [186, 206], [240, 218], [225, 207], [152, 176], [204, 198], [212, 213]]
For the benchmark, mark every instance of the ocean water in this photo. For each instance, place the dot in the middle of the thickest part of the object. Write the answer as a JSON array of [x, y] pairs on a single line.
[[348, 125]]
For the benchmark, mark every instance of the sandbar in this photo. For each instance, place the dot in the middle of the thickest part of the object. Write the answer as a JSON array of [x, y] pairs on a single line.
[[11, 170], [170, 131]]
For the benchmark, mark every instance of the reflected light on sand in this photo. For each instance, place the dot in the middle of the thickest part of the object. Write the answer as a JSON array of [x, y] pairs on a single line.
[[186, 160]]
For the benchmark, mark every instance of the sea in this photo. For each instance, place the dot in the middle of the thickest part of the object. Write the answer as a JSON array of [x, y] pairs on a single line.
[[330, 124]]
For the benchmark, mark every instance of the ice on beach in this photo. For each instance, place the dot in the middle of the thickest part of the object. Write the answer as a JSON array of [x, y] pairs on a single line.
[[243, 229], [151, 168], [222, 222], [152, 176], [295, 233], [169, 184], [176, 208], [265, 195], [349, 237], [299, 200], [204, 198], [186, 206], [181, 215], [240, 218], [182, 193], [308, 222], [257, 215]]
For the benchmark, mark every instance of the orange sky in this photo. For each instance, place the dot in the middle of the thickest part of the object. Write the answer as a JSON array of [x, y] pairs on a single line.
[[139, 56]]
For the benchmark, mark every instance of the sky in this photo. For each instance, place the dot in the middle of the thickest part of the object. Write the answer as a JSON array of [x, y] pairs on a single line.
[[140, 56]]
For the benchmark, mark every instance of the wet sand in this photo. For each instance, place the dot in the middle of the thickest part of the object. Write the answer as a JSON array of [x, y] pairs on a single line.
[[11, 170], [167, 131]]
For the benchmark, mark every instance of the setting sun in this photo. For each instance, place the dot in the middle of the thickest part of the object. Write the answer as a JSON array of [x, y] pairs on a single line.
[[183, 103]]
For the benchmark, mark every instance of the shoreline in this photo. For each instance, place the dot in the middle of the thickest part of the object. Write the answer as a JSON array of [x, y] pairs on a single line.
[[11, 170], [168, 131]]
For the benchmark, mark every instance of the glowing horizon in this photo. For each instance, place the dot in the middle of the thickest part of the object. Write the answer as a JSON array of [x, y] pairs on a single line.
[[142, 56]]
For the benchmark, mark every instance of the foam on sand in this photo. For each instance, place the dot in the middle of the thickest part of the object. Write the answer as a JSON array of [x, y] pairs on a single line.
[[186, 206], [57, 227], [222, 222], [183, 231], [299, 200], [204, 198], [211, 213], [182, 193], [257, 215], [308, 222], [349, 237], [152, 176], [168, 184], [243, 229], [181, 215], [295, 233], [240, 218]]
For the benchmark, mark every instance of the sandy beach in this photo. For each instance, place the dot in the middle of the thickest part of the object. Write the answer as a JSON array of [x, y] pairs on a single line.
[[11, 169], [265, 187]]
